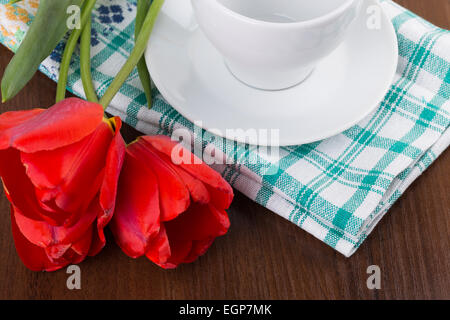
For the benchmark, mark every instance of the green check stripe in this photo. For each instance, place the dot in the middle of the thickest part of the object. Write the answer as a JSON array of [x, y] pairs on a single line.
[[344, 215]]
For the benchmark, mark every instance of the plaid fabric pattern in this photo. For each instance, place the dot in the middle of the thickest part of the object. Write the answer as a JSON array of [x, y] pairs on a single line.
[[337, 189]]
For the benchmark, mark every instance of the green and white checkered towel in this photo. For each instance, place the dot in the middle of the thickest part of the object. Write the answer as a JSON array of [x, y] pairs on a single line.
[[337, 189]]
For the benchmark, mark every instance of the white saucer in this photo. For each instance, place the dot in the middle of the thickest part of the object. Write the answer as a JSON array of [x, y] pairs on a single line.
[[343, 89]]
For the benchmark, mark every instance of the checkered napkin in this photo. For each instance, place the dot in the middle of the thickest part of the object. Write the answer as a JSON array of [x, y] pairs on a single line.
[[337, 189]]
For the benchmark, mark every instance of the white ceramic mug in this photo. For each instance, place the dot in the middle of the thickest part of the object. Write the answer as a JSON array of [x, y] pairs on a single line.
[[275, 44]]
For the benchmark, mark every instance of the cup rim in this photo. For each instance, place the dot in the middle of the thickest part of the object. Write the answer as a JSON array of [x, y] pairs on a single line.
[[307, 23]]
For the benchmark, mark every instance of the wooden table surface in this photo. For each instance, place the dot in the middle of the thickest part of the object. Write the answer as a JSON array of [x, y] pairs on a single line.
[[263, 256]]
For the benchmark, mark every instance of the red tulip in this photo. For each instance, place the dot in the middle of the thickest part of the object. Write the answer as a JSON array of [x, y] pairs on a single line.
[[169, 212], [60, 169]]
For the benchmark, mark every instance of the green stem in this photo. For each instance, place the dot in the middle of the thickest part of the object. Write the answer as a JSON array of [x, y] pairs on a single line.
[[136, 54], [85, 63], [142, 9], [70, 48]]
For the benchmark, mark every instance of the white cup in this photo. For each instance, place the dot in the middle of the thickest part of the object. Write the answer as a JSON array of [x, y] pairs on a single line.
[[275, 44]]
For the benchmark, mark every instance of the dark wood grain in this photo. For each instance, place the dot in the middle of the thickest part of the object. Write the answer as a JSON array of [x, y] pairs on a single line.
[[264, 256]]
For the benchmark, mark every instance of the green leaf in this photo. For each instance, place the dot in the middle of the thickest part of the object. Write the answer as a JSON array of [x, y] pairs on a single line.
[[46, 31]]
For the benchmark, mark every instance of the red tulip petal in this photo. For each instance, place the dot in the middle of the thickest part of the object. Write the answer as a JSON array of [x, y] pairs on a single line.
[[12, 119], [89, 194], [83, 245], [70, 256], [32, 256], [179, 251], [196, 168], [108, 191], [199, 248], [42, 234], [188, 236], [197, 189], [159, 250], [18, 187], [173, 194], [55, 253], [221, 198], [64, 123], [136, 218], [222, 219], [74, 258], [199, 222], [66, 172], [50, 211]]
